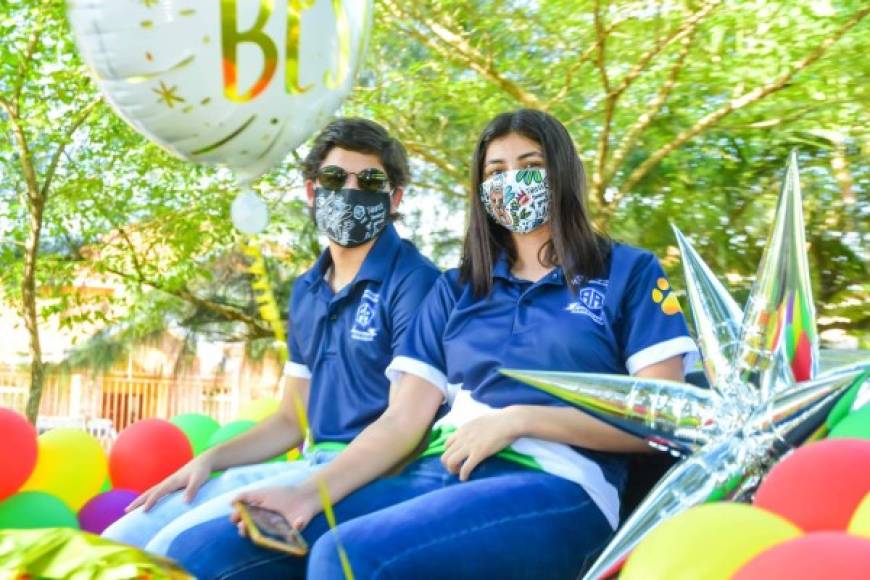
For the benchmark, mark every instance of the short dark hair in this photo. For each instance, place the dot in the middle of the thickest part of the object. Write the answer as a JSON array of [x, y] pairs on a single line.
[[362, 136], [574, 244]]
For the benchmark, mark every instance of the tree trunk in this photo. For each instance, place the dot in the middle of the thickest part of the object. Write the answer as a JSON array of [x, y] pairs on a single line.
[[28, 302]]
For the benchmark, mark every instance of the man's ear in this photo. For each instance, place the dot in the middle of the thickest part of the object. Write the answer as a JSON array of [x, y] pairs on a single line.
[[309, 192], [396, 199]]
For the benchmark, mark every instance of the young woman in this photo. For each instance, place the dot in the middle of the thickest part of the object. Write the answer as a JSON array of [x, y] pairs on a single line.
[[514, 483]]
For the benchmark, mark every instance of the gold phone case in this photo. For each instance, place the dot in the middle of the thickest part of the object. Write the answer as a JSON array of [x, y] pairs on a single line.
[[266, 542]]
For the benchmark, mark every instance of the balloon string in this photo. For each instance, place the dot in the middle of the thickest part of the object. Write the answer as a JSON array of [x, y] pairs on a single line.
[[269, 312]]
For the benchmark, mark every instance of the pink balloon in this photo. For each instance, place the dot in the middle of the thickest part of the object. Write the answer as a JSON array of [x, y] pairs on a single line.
[[817, 555], [105, 509], [146, 452], [819, 486], [17, 451]]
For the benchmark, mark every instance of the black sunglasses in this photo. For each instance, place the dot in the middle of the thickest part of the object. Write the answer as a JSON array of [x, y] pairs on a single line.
[[371, 180]]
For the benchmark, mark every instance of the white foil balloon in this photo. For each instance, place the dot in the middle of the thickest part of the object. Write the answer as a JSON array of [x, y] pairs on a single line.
[[230, 82]]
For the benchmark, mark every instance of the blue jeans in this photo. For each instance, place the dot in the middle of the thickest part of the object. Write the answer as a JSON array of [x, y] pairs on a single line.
[[506, 522], [155, 529]]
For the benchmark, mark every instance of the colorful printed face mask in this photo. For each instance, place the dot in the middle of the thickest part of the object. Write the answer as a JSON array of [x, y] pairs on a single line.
[[518, 200], [351, 217]]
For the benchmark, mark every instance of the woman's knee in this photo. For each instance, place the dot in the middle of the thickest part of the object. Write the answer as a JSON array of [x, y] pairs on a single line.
[[329, 556]]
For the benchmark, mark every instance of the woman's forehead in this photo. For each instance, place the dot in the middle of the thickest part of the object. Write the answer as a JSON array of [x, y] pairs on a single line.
[[512, 147]]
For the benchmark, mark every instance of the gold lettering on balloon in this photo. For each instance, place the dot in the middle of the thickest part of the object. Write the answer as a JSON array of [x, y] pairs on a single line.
[[294, 40], [335, 80], [231, 37]]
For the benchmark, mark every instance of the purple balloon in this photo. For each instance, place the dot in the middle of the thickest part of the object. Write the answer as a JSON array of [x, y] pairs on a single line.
[[104, 509]]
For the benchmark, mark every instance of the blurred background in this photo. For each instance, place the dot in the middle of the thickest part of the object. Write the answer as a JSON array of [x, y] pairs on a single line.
[[123, 291]]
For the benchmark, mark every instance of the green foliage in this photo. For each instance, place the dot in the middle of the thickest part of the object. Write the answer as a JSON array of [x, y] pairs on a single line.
[[641, 87]]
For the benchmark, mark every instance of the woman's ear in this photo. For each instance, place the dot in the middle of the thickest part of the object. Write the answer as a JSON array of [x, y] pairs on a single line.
[[396, 199], [309, 192]]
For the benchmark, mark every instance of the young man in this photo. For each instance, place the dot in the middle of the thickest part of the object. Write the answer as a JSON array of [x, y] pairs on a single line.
[[348, 314]]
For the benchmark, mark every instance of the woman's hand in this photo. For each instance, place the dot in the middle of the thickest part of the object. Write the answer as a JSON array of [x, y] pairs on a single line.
[[479, 439], [190, 477], [298, 505]]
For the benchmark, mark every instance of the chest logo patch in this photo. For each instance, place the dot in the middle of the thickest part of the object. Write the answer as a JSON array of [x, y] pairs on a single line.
[[590, 302], [364, 321]]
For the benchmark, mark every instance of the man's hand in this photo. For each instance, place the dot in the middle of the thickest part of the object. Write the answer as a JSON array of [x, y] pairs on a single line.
[[190, 477]]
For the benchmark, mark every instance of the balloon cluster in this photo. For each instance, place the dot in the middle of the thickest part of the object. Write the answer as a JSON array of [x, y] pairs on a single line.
[[64, 479], [810, 518]]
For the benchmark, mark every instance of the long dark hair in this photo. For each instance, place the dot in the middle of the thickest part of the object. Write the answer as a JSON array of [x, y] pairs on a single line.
[[574, 244]]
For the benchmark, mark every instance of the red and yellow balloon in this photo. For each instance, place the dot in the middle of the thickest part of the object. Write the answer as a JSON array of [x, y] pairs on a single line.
[[236, 83]]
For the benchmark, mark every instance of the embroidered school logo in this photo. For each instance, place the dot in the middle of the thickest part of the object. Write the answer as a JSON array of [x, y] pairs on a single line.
[[364, 319], [663, 296], [590, 302]]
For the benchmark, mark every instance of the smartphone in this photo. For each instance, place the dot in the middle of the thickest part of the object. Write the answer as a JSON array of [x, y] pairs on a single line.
[[269, 529]]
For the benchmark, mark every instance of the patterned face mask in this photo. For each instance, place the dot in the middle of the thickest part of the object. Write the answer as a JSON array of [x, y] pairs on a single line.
[[518, 200], [351, 217]]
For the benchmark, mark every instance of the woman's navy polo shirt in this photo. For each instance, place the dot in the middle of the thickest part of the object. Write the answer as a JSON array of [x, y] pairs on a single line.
[[618, 325], [343, 342]]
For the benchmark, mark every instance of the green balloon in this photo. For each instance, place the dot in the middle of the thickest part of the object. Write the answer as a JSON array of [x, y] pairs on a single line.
[[844, 405], [198, 428], [229, 431], [856, 425], [107, 485], [36, 509]]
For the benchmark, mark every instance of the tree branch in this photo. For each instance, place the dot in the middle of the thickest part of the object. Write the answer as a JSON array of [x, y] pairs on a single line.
[[583, 58], [67, 136], [426, 153], [23, 151], [686, 28], [458, 50], [609, 106], [651, 110], [737, 103], [228, 312], [24, 64], [603, 169]]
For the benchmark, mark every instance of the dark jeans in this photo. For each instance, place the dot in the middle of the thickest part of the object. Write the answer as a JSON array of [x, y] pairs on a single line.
[[507, 522]]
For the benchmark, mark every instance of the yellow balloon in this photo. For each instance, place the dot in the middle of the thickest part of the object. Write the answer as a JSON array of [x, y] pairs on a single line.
[[258, 410], [708, 542], [294, 455], [70, 465], [860, 522]]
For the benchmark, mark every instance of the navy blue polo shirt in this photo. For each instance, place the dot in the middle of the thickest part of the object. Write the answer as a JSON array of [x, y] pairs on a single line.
[[618, 324], [343, 342]]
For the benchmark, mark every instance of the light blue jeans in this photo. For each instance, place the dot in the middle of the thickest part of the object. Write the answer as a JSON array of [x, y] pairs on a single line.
[[155, 529]]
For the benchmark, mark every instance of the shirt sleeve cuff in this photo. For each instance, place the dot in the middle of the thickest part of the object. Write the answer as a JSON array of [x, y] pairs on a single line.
[[663, 351], [404, 364], [296, 370]]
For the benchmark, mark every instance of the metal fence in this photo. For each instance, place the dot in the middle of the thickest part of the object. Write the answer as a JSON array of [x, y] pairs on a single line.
[[105, 403]]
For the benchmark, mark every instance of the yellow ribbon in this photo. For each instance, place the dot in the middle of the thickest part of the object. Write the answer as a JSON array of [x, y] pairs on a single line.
[[270, 312]]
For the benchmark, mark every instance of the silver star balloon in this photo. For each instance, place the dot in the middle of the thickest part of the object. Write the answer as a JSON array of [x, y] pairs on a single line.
[[761, 363]]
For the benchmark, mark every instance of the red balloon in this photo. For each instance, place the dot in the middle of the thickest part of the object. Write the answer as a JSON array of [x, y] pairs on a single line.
[[819, 486], [146, 452], [817, 555], [17, 451]]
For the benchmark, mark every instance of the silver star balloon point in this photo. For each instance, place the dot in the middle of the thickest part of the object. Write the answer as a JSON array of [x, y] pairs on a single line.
[[765, 397]]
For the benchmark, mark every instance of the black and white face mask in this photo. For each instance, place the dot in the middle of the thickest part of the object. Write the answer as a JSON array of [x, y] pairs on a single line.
[[351, 217]]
